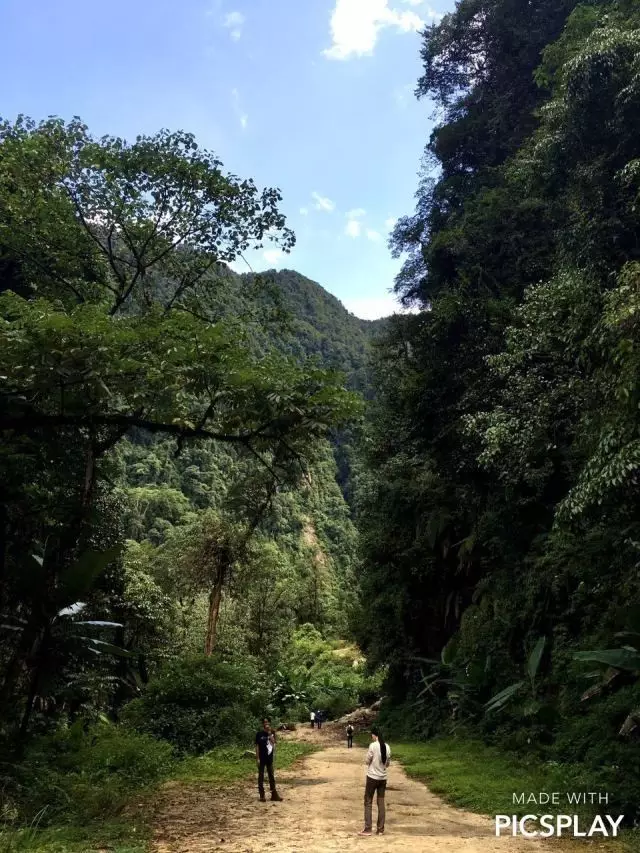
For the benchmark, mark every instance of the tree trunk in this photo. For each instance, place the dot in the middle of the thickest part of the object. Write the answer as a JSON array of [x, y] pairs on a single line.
[[26, 716], [40, 659], [3, 548], [28, 645], [215, 597]]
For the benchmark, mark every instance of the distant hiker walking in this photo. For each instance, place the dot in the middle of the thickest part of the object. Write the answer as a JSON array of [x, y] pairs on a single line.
[[265, 749], [377, 761], [349, 736], [319, 718], [312, 717]]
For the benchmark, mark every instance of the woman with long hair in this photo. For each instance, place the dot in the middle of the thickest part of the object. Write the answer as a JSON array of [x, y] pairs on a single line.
[[377, 761]]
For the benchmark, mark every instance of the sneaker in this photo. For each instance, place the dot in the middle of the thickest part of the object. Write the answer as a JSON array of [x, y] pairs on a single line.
[[276, 797], [365, 832], [379, 831]]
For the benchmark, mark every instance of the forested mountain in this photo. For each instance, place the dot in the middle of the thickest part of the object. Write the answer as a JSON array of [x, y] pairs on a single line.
[[499, 499], [320, 325], [317, 325], [305, 545]]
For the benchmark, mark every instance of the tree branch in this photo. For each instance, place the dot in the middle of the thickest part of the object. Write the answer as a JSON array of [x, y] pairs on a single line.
[[35, 420], [105, 251]]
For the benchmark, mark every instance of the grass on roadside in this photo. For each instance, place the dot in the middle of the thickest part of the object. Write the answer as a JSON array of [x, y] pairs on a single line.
[[477, 777], [117, 836], [229, 764], [132, 833], [481, 779]]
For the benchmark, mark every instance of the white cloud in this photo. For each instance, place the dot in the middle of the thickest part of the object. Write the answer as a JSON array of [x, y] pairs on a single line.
[[304, 211], [234, 22], [322, 203], [273, 256], [372, 235], [239, 266], [390, 223], [375, 307], [353, 229], [358, 213], [356, 25]]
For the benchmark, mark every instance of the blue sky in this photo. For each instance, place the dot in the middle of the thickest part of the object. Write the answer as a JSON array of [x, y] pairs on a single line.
[[312, 96]]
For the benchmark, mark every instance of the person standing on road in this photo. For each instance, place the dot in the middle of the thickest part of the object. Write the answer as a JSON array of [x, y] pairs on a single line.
[[349, 736], [319, 718], [312, 717], [377, 761], [265, 749]]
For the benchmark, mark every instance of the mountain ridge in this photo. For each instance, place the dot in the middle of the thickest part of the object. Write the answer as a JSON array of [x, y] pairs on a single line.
[[322, 326]]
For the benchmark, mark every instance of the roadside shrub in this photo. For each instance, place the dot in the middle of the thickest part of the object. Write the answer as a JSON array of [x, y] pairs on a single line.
[[411, 721], [81, 773], [298, 713], [339, 703], [590, 736], [200, 703], [371, 688]]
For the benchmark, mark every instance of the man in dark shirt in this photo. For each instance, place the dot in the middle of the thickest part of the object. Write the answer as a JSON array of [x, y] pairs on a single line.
[[265, 748]]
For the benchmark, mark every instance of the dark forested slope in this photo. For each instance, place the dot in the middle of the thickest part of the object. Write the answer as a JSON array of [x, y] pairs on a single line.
[[499, 509], [318, 325]]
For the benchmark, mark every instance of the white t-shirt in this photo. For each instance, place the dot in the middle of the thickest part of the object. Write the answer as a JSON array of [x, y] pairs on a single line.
[[377, 770]]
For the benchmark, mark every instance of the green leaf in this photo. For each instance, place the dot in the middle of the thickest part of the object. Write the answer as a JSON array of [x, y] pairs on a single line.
[[106, 648], [535, 657], [79, 578], [450, 650], [627, 659], [72, 610], [500, 699]]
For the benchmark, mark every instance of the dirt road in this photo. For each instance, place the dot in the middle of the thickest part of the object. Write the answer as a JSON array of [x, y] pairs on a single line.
[[322, 813]]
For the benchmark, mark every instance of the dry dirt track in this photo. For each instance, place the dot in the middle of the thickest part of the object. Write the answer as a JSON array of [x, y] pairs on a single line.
[[321, 813]]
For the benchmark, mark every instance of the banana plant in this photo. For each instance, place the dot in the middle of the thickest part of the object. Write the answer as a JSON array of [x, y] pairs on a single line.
[[446, 678], [625, 659], [288, 691], [533, 665], [52, 619]]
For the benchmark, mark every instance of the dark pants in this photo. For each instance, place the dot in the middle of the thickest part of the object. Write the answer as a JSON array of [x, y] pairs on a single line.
[[268, 763], [374, 786], [349, 741], [319, 723]]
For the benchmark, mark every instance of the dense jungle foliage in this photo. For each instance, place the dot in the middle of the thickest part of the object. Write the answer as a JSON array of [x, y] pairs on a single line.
[[498, 506], [177, 557]]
